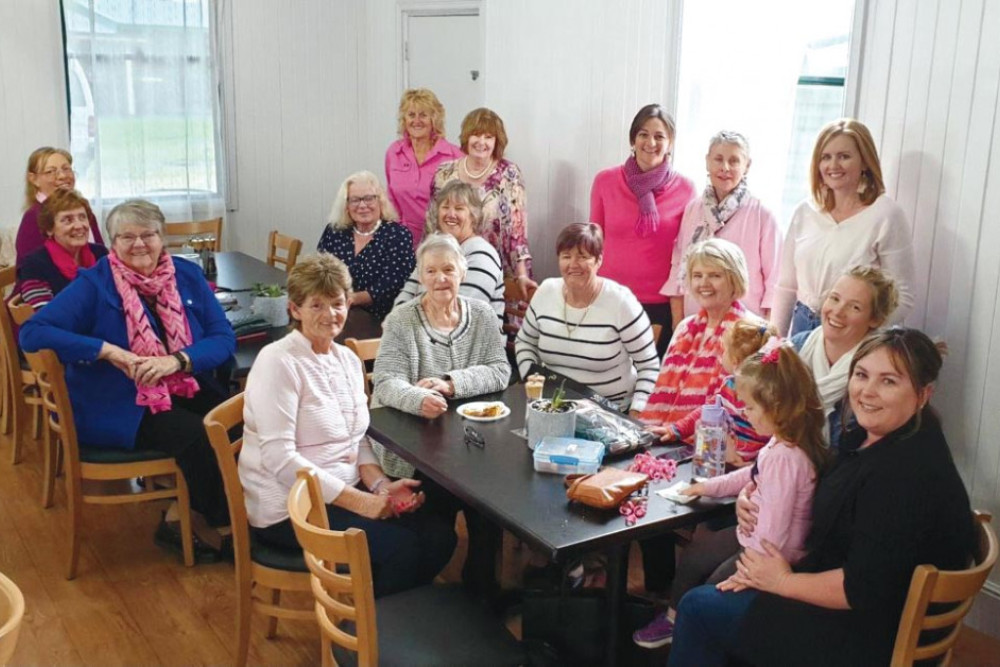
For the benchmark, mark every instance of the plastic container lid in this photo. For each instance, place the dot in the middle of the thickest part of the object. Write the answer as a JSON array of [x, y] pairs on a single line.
[[569, 451], [713, 414]]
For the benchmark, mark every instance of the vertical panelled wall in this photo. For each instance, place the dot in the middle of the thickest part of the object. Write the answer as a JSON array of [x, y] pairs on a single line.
[[296, 114], [32, 94], [930, 77]]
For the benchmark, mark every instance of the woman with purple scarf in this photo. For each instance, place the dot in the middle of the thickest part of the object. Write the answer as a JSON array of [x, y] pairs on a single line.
[[639, 206]]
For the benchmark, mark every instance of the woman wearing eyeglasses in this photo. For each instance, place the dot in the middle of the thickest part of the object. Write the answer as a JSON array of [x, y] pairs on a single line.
[[363, 235], [49, 169]]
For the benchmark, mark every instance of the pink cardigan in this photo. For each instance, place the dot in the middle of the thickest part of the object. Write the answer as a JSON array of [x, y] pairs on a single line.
[[753, 229], [785, 483], [409, 183], [642, 265]]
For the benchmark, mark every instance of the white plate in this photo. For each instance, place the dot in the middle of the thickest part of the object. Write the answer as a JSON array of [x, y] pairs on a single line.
[[479, 405]]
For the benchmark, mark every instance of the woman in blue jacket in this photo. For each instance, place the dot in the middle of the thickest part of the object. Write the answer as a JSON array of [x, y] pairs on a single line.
[[138, 334]]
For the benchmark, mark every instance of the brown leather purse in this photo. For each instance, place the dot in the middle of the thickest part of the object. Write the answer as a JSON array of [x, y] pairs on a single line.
[[605, 489]]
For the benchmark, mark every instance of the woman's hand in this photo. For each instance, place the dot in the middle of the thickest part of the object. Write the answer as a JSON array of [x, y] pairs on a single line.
[[696, 489], [433, 406], [746, 511], [762, 571], [150, 370], [666, 432], [440, 385], [376, 506], [404, 498], [526, 286], [120, 358]]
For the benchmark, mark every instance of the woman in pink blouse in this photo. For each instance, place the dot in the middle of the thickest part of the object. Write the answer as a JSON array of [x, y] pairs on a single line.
[[410, 162], [639, 206], [501, 187], [727, 209]]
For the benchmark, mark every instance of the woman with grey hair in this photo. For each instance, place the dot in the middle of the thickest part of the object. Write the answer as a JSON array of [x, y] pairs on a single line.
[[727, 210], [140, 334], [458, 211], [363, 234], [438, 346]]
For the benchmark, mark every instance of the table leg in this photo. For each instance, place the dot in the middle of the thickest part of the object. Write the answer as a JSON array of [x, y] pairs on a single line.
[[617, 586]]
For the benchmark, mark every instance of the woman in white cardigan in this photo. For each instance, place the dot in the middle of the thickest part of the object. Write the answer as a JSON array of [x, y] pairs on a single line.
[[306, 408], [849, 222]]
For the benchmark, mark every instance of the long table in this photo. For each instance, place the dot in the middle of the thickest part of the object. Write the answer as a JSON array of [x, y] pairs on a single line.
[[499, 480]]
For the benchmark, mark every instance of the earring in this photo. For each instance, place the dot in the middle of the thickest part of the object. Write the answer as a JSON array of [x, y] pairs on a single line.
[[863, 183]]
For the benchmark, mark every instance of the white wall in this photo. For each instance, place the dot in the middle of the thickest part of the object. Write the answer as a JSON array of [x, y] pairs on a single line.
[[929, 85], [32, 94]]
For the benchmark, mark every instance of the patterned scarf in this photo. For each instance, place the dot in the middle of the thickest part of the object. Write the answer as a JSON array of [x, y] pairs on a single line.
[[645, 185], [65, 261], [717, 213], [161, 285]]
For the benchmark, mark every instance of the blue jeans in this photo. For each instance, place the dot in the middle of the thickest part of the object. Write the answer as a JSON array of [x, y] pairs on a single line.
[[708, 623], [803, 319]]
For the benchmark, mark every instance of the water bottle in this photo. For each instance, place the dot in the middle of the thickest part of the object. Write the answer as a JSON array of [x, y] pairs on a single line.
[[710, 441]]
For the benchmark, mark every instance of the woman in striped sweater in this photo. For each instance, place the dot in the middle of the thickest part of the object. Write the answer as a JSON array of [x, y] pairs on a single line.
[[458, 211], [590, 329]]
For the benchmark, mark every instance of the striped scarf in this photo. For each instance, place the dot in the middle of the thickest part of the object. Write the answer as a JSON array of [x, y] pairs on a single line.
[[691, 370], [160, 285]]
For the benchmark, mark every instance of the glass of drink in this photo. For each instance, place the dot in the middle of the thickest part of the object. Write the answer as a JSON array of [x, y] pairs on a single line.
[[533, 386]]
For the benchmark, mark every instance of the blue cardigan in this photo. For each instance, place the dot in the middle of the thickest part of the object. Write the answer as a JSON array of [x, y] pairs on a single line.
[[89, 312]]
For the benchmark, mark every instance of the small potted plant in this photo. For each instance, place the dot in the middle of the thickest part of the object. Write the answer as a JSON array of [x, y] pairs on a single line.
[[271, 303], [554, 416]]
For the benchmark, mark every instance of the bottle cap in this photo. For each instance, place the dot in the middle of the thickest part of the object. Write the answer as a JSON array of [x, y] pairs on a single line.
[[713, 414]]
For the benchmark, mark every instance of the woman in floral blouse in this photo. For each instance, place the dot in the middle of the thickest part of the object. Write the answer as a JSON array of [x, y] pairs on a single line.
[[499, 182]]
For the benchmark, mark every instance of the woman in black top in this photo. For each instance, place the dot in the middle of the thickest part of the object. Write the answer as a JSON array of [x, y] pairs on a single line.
[[892, 501]]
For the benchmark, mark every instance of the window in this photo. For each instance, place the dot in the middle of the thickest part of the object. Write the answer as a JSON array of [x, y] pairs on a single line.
[[775, 81], [143, 104]]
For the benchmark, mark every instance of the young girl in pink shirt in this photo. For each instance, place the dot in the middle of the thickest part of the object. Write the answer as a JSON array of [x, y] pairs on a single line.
[[780, 400]]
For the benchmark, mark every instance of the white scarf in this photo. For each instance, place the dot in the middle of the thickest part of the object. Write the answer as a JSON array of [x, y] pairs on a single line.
[[830, 380]]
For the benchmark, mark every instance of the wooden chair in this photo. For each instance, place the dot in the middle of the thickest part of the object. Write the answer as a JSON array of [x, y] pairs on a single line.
[[260, 568], [514, 310], [177, 233], [21, 397], [657, 330], [11, 614], [932, 586], [366, 349], [87, 463], [292, 247], [430, 625]]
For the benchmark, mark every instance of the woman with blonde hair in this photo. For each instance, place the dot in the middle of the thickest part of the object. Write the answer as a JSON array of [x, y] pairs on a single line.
[[49, 169], [412, 160], [850, 221]]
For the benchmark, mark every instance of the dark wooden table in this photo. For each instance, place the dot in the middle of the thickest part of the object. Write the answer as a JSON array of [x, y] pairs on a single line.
[[239, 272], [499, 480]]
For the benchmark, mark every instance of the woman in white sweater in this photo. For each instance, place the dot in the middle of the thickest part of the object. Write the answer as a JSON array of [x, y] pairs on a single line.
[[306, 408], [849, 222], [588, 328]]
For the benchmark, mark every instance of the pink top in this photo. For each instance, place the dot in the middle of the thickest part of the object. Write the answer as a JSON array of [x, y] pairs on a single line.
[[409, 183], [785, 483], [755, 231], [641, 264]]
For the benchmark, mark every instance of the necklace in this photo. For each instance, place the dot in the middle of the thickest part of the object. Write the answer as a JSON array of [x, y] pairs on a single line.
[[369, 233], [475, 177], [573, 328]]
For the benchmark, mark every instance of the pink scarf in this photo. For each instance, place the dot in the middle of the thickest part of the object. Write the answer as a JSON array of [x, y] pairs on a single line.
[[65, 261], [142, 340], [645, 185]]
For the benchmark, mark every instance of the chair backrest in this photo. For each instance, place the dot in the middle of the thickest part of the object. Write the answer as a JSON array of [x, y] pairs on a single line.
[[177, 233], [657, 330], [292, 246], [20, 311], [9, 362], [218, 423], [366, 349], [933, 586], [50, 377], [514, 309], [11, 614], [339, 597]]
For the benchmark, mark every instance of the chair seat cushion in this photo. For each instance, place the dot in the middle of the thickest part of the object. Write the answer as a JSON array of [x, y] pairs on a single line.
[[98, 455], [275, 557], [438, 625]]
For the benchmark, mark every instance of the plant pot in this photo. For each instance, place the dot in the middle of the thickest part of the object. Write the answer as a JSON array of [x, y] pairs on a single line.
[[274, 309], [542, 423]]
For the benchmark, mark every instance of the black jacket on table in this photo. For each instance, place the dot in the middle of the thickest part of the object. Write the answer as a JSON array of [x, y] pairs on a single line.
[[878, 513]]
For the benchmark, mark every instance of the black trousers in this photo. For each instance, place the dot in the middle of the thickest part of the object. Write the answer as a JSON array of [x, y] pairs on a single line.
[[180, 433], [659, 313]]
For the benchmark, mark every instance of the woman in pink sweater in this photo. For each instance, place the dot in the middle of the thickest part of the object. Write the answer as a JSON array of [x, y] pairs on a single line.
[[639, 207], [727, 209], [782, 401]]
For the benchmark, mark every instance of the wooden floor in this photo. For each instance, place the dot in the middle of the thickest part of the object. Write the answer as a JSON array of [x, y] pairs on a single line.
[[134, 604]]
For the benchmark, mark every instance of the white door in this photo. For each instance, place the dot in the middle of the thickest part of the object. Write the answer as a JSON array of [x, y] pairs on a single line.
[[444, 53]]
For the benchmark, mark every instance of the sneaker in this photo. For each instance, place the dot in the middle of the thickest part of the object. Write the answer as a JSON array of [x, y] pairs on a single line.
[[658, 633]]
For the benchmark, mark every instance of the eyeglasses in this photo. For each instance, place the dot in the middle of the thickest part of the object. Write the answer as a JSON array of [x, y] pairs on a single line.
[[65, 171], [145, 237], [367, 200], [474, 438]]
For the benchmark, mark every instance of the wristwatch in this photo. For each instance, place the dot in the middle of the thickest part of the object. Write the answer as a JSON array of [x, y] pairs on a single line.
[[183, 360]]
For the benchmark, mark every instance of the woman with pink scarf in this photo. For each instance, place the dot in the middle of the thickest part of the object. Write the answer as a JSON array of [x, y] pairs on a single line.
[[639, 206], [139, 334]]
